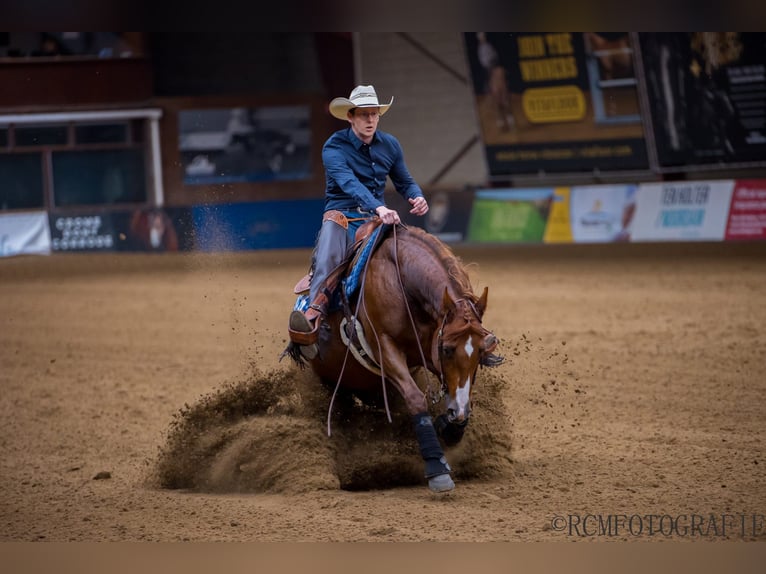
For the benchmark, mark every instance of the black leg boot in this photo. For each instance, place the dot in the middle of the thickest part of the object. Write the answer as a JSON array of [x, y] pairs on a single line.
[[437, 469]]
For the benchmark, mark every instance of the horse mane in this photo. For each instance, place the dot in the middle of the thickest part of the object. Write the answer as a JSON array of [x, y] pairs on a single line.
[[451, 263]]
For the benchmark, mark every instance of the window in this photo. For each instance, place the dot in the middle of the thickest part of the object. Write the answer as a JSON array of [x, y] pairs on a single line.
[[98, 177], [21, 181], [77, 159], [101, 133], [35, 136]]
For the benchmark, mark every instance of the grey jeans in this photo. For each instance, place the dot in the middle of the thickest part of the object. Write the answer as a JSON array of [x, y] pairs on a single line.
[[331, 247]]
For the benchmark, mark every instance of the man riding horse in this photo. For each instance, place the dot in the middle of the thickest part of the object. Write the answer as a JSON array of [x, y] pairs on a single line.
[[414, 306], [357, 161]]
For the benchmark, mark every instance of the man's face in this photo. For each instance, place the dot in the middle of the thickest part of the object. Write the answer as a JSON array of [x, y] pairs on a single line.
[[364, 122]]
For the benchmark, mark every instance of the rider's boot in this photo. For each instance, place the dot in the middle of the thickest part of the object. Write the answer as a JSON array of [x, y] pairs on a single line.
[[303, 327]]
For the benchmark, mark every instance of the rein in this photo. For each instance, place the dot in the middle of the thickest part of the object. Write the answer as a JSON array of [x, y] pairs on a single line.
[[348, 347], [404, 298], [435, 397]]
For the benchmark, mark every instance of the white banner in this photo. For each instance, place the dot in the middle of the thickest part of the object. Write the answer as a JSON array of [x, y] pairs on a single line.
[[682, 211], [601, 213], [25, 233]]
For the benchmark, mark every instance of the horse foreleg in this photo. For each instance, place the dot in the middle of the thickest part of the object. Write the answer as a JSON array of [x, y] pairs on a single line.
[[437, 470]]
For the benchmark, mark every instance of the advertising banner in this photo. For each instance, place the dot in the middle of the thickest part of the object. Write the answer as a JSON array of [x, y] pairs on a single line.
[[261, 225], [509, 215], [683, 211], [747, 214], [24, 233], [142, 229], [558, 229], [591, 214], [154, 229], [233, 145], [557, 102], [447, 217], [86, 232], [706, 95]]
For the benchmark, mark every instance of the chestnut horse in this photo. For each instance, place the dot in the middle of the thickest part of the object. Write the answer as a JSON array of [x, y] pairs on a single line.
[[416, 308]]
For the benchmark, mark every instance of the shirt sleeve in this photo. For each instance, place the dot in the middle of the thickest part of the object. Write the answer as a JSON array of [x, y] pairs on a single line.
[[337, 168], [400, 175]]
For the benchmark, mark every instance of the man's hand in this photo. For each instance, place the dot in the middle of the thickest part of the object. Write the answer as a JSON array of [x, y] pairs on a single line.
[[419, 206], [387, 215]]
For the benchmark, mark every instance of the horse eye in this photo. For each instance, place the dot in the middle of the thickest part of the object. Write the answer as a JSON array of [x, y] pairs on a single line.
[[449, 352]]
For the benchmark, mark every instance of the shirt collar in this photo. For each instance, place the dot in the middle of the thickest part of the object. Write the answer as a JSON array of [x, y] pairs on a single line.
[[356, 142]]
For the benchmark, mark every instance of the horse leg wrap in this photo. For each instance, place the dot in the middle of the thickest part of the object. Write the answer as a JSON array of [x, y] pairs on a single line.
[[451, 432], [430, 449]]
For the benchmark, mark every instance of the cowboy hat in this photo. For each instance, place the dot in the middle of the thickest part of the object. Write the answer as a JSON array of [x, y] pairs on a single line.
[[361, 97]]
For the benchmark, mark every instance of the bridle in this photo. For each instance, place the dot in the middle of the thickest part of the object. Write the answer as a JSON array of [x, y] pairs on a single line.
[[437, 346]]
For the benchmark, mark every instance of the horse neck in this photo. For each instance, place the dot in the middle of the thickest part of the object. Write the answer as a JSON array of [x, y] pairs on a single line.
[[426, 270]]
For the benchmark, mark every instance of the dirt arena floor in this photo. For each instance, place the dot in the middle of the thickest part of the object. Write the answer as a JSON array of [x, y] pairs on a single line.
[[141, 399]]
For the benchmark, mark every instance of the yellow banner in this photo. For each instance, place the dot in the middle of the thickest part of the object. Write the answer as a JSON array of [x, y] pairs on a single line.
[[559, 228]]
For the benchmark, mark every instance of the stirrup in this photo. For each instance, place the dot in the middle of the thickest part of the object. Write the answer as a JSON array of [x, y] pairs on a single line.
[[303, 333]]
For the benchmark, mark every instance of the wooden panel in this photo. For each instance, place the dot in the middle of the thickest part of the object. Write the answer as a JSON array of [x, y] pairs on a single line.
[[34, 82]]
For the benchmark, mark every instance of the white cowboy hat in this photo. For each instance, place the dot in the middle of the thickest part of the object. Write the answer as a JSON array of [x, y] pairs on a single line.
[[361, 97]]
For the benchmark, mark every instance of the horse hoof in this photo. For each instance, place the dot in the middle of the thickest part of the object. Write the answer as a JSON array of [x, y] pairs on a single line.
[[309, 352], [441, 483]]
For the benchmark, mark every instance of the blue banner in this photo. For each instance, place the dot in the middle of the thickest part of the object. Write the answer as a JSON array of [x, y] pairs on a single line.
[[261, 225]]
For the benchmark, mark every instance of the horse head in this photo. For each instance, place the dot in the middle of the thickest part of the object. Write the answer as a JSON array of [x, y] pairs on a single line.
[[462, 344]]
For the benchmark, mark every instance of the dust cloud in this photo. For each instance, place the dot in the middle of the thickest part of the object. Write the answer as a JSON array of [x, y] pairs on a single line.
[[267, 433]]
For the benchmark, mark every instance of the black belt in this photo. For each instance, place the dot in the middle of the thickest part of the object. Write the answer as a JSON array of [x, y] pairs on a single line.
[[358, 210]]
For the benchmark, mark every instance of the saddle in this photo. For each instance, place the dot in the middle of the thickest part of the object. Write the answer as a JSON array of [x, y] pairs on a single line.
[[353, 262], [343, 283]]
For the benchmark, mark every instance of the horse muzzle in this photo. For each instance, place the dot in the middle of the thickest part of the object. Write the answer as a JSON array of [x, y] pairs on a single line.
[[489, 342], [457, 415]]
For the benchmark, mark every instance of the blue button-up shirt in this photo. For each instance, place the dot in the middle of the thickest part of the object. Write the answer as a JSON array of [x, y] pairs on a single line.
[[356, 172]]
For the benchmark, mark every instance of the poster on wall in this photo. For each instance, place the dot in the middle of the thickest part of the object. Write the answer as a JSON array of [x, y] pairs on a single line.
[[683, 211], [235, 145], [706, 96], [556, 102]]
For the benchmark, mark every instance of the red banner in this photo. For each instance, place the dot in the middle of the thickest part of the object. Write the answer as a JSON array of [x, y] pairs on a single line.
[[747, 213]]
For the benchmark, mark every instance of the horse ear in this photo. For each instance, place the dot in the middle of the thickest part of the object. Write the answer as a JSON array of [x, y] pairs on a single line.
[[481, 304]]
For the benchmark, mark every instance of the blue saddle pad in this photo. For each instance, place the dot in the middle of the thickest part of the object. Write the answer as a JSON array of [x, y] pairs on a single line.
[[353, 279], [350, 284]]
